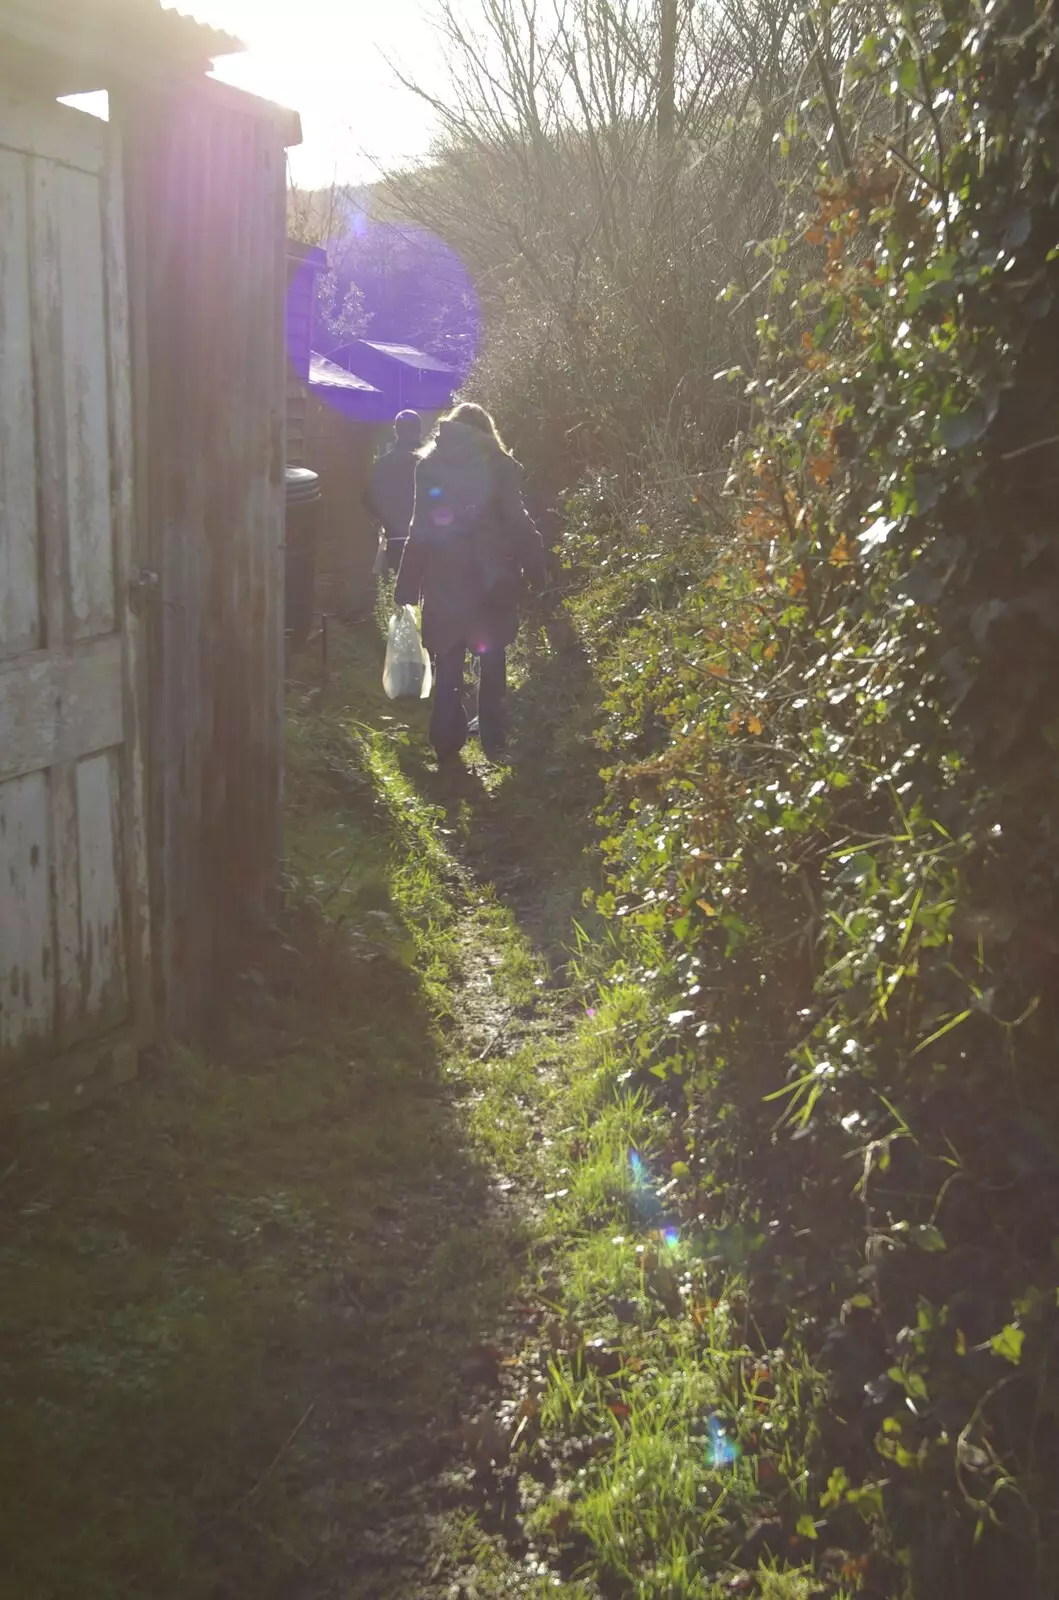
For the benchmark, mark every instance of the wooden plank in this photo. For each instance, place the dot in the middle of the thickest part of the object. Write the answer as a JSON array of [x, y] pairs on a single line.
[[58, 705], [20, 621], [126, 557], [27, 967], [275, 622], [85, 384], [55, 133], [187, 284], [47, 333], [99, 803], [66, 904]]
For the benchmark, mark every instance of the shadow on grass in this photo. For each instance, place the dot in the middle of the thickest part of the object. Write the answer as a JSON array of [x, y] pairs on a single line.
[[240, 1303]]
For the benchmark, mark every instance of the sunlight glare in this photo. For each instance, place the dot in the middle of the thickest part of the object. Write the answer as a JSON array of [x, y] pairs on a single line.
[[328, 60]]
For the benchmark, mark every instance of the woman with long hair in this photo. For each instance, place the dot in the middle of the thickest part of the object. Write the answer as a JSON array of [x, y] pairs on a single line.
[[470, 542]]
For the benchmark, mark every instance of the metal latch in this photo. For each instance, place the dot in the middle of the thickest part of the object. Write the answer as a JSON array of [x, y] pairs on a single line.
[[144, 584]]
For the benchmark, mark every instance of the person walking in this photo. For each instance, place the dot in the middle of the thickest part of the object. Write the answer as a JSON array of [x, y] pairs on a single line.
[[471, 542], [390, 494]]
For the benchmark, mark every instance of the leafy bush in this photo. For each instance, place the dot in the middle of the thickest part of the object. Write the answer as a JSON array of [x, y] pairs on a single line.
[[827, 703], [829, 826]]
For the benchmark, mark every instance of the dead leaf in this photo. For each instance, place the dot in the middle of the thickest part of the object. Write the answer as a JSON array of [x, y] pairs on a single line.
[[560, 1523]]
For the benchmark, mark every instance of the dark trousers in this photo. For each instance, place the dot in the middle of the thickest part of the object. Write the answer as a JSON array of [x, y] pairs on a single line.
[[448, 723]]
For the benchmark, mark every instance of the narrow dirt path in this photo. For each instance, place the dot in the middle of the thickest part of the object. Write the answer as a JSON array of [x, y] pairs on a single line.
[[505, 1014], [253, 1311], [426, 1469]]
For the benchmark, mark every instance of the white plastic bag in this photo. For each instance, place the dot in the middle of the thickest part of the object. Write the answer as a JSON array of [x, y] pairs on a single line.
[[406, 671]]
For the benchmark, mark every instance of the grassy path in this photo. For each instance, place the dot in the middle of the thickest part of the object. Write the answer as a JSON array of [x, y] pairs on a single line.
[[247, 1310], [390, 1293]]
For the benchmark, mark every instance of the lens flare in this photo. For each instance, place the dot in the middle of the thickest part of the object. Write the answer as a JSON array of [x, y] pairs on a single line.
[[722, 1451], [385, 295]]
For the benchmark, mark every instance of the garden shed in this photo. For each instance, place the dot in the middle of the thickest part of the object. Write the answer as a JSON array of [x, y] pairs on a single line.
[[142, 440], [409, 378], [305, 263], [343, 426]]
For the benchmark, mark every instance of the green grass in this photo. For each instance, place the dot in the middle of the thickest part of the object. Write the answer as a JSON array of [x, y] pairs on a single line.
[[241, 1305], [234, 1302]]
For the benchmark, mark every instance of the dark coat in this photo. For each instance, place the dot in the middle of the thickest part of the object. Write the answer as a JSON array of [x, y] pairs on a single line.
[[471, 541], [391, 495]]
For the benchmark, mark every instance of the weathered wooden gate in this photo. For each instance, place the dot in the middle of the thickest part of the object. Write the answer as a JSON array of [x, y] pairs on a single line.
[[74, 981]]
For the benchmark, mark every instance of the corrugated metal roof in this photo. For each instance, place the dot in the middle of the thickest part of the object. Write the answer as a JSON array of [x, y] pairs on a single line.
[[409, 356], [328, 375], [114, 30], [221, 43]]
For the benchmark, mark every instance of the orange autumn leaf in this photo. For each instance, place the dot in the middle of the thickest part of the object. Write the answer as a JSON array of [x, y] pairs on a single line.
[[706, 908], [815, 234], [797, 581], [771, 650], [841, 555], [755, 725], [736, 723], [821, 467]]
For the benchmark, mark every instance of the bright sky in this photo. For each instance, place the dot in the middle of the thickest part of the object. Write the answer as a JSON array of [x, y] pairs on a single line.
[[328, 59]]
